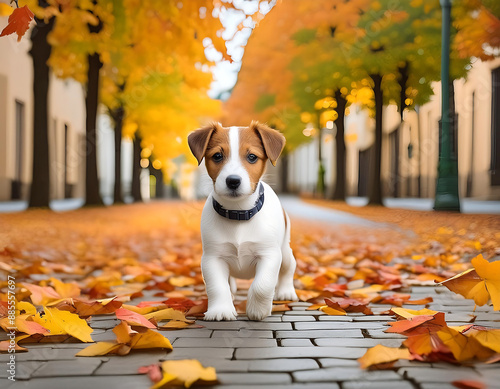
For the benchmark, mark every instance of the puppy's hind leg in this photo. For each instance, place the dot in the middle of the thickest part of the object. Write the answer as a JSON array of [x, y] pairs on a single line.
[[284, 288]]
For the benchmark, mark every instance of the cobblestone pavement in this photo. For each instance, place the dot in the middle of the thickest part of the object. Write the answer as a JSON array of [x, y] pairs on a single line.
[[294, 349]]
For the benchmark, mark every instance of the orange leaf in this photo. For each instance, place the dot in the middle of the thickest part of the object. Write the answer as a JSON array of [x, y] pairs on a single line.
[[41, 295], [100, 307], [19, 22], [468, 384]]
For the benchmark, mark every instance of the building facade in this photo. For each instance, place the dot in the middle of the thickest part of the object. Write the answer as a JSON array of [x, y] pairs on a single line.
[[66, 126], [410, 150]]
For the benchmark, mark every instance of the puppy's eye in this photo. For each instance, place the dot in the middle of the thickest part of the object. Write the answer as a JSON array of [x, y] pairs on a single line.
[[217, 157], [252, 158]]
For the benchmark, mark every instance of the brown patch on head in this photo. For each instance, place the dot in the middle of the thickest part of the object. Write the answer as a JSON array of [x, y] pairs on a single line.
[[198, 140], [251, 143], [272, 140], [218, 143]]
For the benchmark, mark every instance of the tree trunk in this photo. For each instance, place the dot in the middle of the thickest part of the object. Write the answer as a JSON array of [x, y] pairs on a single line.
[[117, 115], [403, 80], [40, 52], [375, 194], [92, 195], [340, 150], [136, 170]]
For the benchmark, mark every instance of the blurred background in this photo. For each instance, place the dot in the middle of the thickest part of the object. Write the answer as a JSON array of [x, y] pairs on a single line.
[[97, 98]]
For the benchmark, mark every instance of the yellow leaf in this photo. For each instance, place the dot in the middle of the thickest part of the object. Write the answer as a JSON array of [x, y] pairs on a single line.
[[187, 372], [381, 354], [65, 290], [64, 322], [410, 313], [25, 306], [182, 281], [490, 273], [101, 348], [174, 324], [332, 311], [5, 9], [165, 380], [167, 314], [150, 339], [463, 347], [488, 338]]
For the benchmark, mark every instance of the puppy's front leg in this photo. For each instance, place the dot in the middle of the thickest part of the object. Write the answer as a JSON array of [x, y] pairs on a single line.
[[260, 294], [215, 273]]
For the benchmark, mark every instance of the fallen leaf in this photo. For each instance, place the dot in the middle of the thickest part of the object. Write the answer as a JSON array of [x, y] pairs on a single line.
[[133, 318], [468, 384], [381, 354], [41, 295], [186, 372], [167, 314], [63, 322], [101, 348], [66, 290], [99, 307], [149, 339]]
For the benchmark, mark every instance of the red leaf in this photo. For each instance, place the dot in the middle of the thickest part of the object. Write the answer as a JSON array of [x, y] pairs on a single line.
[[19, 22], [134, 319]]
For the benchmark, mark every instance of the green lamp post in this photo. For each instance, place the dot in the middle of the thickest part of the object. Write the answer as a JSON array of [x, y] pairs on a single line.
[[447, 182]]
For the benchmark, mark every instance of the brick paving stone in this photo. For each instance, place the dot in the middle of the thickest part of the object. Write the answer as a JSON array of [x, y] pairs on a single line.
[[237, 325], [349, 342], [298, 308], [76, 367], [381, 318], [345, 374], [282, 365], [330, 385], [228, 366], [336, 318], [197, 353], [270, 319], [300, 313], [299, 304], [337, 362], [104, 324], [377, 385], [254, 378], [106, 336], [189, 333], [230, 341], [432, 375], [319, 334], [299, 352], [489, 316], [23, 370], [298, 318], [380, 334], [118, 365], [43, 354], [319, 325], [243, 333], [296, 343], [85, 382], [437, 386]]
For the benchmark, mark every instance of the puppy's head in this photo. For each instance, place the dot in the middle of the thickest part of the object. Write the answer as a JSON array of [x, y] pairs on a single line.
[[236, 157]]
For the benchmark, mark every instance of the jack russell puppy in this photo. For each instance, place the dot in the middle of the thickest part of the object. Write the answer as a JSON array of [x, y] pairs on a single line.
[[245, 232]]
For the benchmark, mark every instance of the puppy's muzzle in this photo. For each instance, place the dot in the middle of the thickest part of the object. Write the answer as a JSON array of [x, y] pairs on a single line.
[[233, 182]]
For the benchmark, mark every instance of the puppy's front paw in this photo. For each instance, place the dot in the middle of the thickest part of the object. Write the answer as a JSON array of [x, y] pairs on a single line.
[[220, 313], [258, 311], [285, 294]]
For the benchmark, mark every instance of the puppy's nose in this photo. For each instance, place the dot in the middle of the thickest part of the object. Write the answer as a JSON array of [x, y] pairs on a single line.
[[233, 182]]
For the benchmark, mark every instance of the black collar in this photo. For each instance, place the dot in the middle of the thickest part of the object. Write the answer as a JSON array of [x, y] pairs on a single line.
[[241, 215]]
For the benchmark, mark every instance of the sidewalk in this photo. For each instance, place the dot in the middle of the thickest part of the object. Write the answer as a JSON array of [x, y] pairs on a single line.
[[294, 349]]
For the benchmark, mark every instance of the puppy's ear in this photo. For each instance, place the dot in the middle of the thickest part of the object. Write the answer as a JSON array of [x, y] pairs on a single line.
[[198, 140], [272, 140]]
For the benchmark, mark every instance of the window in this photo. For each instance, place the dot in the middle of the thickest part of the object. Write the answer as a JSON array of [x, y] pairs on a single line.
[[495, 127], [16, 190]]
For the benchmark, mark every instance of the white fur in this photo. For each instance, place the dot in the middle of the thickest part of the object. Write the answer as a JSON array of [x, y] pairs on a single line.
[[258, 248]]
